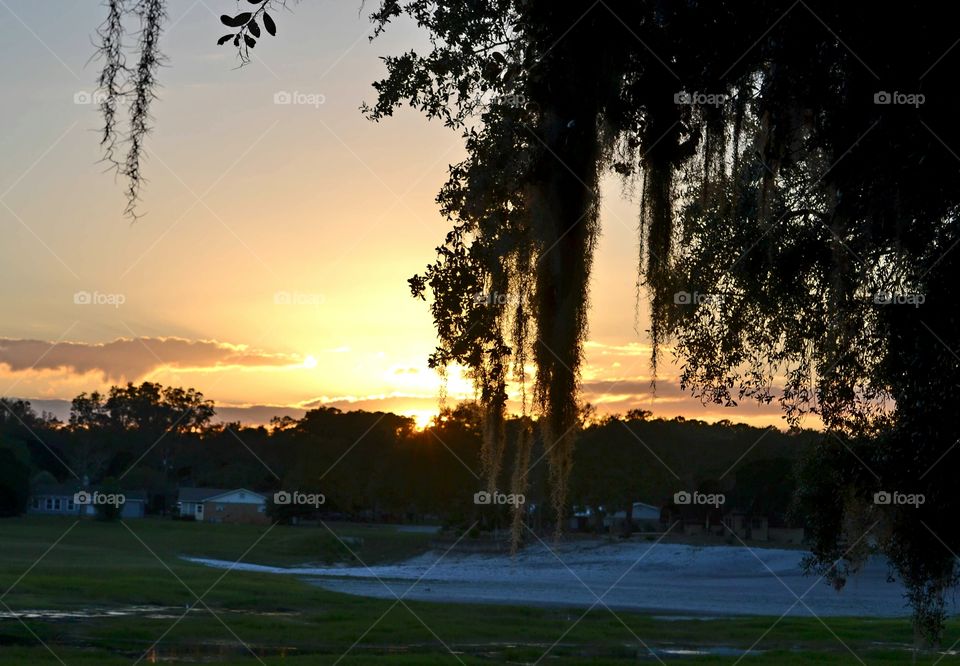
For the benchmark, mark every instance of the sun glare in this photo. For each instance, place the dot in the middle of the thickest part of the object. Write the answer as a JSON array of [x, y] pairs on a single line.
[[309, 362], [422, 419]]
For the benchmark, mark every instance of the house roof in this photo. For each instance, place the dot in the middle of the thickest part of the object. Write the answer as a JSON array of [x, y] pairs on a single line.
[[198, 494], [56, 489], [236, 490], [207, 494], [694, 512], [69, 489]]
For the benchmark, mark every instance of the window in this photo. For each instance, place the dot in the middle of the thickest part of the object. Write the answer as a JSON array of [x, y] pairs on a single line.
[[49, 504], [219, 507], [70, 505], [199, 509], [56, 504], [36, 502]]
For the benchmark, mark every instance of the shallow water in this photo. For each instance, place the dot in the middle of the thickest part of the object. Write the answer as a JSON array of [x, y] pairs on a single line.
[[153, 612]]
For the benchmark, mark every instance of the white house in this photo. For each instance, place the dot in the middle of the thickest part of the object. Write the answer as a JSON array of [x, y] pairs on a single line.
[[643, 515], [73, 499]]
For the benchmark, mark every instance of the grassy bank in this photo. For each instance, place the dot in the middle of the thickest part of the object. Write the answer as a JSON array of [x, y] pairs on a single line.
[[137, 574]]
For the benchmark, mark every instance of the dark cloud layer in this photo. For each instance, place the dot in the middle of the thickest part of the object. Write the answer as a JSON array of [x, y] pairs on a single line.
[[131, 358]]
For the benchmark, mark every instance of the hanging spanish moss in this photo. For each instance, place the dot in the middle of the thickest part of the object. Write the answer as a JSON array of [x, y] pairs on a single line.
[[112, 75], [129, 76], [519, 481], [122, 85]]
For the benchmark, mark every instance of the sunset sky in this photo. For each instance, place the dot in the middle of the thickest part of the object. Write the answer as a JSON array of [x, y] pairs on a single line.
[[271, 266]]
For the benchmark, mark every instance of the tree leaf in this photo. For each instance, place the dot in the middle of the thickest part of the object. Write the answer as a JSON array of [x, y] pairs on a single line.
[[269, 24], [250, 41], [223, 40], [254, 28], [235, 21]]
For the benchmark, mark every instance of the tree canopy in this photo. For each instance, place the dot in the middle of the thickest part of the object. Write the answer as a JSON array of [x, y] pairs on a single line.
[[797, 225]]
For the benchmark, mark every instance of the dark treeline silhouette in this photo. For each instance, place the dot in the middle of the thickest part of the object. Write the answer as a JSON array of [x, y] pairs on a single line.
[[368, 465]]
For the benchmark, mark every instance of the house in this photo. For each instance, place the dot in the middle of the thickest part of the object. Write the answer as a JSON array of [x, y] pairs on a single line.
[[692, 519], [644, 516], [54, 500], [582, 519], [587, 518], [747, 526], [73, 499], [220, 505], [134, 505]]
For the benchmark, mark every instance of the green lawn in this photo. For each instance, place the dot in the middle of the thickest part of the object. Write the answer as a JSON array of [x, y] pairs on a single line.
[[98, 566]]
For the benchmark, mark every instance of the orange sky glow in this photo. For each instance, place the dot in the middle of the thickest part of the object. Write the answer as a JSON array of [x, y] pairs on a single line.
[[270, 269]]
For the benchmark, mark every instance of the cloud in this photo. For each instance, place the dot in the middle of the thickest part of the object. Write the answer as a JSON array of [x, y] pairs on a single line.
[[668, 400], [597, 348], [133, 358], [637, 388]]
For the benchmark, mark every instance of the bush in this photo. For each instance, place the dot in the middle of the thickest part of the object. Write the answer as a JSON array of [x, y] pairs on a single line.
[[14, 484]]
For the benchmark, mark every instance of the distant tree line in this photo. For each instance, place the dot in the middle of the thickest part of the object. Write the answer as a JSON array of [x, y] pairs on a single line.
[[370, 465]]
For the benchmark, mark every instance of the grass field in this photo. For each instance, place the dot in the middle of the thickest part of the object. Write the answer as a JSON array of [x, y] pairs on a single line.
[[125, 593]]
